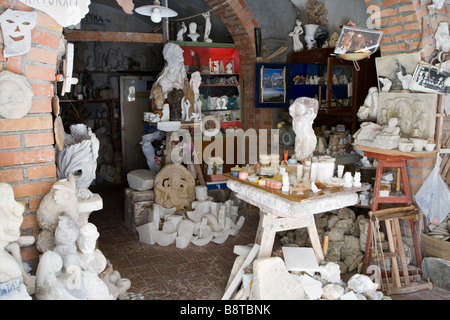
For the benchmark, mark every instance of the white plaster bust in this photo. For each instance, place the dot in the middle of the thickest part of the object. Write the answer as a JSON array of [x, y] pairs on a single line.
[[193, 34], [303, 112]]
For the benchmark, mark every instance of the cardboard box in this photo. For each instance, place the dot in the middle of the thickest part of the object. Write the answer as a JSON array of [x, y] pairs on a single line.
[[435, 247]]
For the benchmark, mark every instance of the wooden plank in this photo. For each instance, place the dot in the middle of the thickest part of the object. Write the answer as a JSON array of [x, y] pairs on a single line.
[[397, 153], [108, 36]]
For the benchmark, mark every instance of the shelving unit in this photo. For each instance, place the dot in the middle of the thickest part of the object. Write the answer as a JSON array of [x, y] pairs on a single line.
[[217, 83], [339, 102]]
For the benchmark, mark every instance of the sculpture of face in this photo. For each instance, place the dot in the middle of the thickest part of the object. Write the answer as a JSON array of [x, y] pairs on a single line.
[[10, 215], [87, 239], [16, 28]]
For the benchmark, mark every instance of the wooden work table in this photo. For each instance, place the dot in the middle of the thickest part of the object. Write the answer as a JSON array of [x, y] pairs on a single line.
[[280, 211]]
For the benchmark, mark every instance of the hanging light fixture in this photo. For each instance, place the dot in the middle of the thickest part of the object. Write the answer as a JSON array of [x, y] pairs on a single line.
[[156, 11]]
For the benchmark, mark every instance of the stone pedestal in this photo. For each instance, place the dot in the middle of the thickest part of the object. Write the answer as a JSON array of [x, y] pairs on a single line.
[[137, 204]]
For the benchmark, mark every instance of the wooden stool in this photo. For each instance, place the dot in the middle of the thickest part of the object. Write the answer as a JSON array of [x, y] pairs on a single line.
[[400, 284], [391, 161]]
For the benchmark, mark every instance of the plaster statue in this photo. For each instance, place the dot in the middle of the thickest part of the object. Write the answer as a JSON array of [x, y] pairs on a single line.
[[193, 34], [295, 34], [90, 66], [442, 37], [181, 32], [12, 273], [16, 29], [369, 110], [16, 95], [174, 97], [158, 97], [229, 67], [207, 16], [79, 155], [61, 199], [196, 80], [366, 133], [174, 73], [174, 187], [303, 112]]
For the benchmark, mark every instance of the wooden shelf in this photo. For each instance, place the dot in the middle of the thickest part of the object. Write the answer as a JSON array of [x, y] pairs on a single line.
[[76, 35]]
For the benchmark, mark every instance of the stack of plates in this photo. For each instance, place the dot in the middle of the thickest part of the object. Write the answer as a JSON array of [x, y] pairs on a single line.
[[442, 231]]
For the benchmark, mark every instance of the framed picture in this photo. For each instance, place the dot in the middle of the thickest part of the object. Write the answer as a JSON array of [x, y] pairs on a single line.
[[356, 40], [271, 86], [394, 71], [428, 78]]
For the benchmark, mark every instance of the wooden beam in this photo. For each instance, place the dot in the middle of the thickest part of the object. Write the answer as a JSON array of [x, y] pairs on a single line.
[[76, 35]]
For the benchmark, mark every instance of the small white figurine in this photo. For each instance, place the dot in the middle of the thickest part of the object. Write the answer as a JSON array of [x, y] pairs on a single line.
[[295, 34], [181, 32], [207, 16], [166, 112]]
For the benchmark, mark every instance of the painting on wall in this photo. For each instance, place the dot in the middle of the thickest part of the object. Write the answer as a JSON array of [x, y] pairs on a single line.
[[394, 71], [271, 88], [416, 112]]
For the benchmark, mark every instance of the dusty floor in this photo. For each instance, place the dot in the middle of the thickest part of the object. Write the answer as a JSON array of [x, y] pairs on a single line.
[[169, 273]]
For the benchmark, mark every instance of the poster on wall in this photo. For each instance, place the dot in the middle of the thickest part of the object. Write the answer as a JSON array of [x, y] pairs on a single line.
[[66, 13], [428, 78]]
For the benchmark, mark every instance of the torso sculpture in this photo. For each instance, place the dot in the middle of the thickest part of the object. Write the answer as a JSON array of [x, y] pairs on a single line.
[[303, 112]]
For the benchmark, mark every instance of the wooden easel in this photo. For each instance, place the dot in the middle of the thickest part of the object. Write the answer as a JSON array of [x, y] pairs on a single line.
[[398, 284]]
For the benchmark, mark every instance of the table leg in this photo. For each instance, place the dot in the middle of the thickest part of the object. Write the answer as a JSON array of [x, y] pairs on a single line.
[[315, 242], [265, 236]]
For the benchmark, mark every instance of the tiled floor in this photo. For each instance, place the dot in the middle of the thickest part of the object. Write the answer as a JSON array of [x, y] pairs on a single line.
[[169, 273]]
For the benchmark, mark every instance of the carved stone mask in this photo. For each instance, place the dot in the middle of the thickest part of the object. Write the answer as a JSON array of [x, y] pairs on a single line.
[[16, 28]]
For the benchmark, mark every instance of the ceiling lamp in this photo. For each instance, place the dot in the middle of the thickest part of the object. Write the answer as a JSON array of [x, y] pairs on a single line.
[[156, 11]]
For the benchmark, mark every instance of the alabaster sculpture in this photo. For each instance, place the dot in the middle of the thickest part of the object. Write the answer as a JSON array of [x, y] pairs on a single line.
[[303, 112], [59, 275], [181, 32], [174, 73], [16, 30], [16, 95], [64, 198], [174, 187], [12, 274], [79, 155]]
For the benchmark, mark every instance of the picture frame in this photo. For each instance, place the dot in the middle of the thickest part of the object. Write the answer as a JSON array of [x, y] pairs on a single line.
[[357, 41], [429, 78], [389, 68], [271, 89]]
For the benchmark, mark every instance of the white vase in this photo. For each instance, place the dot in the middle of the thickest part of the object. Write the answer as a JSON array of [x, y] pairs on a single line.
[[310, 30]]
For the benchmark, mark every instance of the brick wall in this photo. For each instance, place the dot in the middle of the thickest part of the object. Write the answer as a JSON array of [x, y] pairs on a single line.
[[27, 156]]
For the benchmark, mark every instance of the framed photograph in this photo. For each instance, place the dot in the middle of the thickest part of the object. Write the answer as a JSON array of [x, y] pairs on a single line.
[[394, 71], [271, 85], [428, 78], [356, 40]]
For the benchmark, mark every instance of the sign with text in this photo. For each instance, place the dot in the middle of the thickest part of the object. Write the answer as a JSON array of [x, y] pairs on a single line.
[[65, 12]]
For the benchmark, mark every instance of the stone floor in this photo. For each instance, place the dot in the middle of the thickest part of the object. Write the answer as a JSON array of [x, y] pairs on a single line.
[[169, 273]]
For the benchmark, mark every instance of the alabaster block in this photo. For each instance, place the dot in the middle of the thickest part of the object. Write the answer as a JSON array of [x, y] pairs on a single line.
[[141, 179]]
